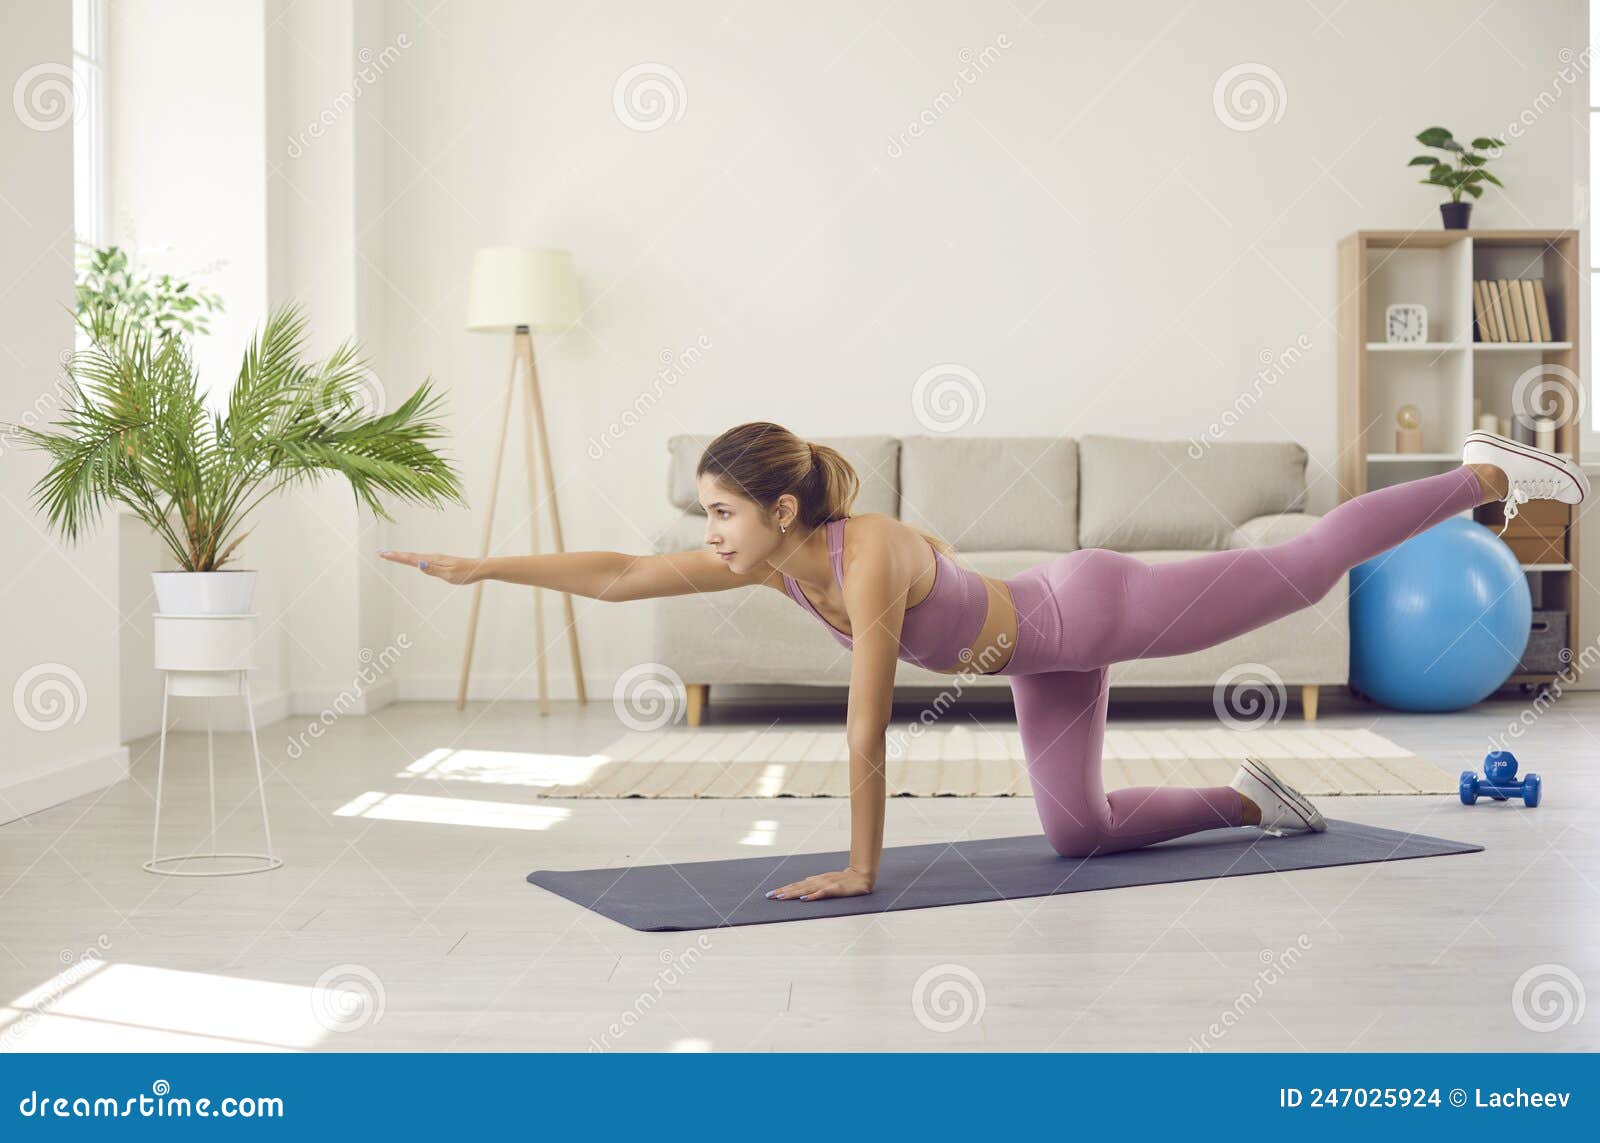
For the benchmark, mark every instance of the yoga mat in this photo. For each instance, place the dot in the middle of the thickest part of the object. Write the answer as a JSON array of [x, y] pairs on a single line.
[[714, 894]]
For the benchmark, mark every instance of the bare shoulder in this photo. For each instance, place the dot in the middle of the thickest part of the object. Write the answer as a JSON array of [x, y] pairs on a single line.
[[876, 528], [877, 536]]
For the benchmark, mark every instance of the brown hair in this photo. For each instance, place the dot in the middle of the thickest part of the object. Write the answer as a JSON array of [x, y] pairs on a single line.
[[762, 461]]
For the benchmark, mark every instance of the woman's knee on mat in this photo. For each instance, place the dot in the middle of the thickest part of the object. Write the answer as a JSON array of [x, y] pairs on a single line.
[[1075, 839], [1077, 844]]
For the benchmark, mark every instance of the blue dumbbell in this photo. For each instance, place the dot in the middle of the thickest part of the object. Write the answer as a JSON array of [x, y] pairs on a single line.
[[1499, 781]]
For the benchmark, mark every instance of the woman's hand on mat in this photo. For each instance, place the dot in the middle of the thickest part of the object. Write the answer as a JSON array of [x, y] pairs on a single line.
[[848, 882], [451, 569]]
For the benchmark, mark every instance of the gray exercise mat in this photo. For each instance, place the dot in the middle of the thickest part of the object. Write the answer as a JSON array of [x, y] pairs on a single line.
[[713, 894]]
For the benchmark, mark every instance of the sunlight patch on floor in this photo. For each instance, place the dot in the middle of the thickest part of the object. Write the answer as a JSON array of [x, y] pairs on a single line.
[[376, 804], [762, 832], [136, 1007], [506, 767]]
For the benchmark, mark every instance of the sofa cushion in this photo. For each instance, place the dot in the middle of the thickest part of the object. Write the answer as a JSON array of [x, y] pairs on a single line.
[[1264, 531], [1136, 495], [992, 493], [876, 460]]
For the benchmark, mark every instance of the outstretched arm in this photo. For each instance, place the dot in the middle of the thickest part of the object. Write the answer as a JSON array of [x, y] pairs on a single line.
[[611, 576], [877, 609]]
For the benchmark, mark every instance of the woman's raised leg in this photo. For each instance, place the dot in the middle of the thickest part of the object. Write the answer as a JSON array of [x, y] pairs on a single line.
[[1061, 716], [1174, 608]]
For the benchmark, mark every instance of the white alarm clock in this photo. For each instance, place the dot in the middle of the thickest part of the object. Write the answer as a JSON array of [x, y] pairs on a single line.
[[1406, 323]]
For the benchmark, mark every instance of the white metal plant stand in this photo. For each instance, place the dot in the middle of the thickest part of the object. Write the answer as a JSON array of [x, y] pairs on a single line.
[[207, 656]]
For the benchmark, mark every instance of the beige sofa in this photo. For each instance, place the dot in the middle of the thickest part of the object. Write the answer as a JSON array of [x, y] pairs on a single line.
[[1007, 504]]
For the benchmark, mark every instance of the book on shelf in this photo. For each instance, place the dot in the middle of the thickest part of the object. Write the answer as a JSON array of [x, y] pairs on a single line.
[[1511, 309]]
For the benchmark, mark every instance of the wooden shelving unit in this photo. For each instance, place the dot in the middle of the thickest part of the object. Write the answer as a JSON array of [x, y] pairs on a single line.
[[1444, 375]]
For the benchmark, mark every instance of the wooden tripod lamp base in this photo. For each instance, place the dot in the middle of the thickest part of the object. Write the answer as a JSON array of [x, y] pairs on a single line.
[[518, 289]]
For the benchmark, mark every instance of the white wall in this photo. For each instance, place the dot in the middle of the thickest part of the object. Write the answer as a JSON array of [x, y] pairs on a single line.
[[1075, 224], [1073, 221], [58, 629], [312, 262]]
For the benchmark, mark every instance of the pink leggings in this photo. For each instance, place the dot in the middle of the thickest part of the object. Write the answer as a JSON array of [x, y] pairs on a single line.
[[1087, 609]]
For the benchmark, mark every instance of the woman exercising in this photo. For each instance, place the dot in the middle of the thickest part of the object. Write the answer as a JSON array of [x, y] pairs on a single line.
[[778, 516]]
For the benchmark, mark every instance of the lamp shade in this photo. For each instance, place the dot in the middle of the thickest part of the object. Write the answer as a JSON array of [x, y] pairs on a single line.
[[518, 285]]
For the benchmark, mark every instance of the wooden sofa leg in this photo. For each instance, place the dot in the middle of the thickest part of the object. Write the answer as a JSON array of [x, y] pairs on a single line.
[[1308, 701], [698, 694]]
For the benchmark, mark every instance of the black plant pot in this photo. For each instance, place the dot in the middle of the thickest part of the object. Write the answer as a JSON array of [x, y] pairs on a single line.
[[1456, 214]]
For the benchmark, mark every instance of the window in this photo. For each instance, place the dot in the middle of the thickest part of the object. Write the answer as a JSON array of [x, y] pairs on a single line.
[[88, 131], [89, 178]]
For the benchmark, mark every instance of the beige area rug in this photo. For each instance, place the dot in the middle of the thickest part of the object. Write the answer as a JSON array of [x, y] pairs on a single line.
[[967, 762]]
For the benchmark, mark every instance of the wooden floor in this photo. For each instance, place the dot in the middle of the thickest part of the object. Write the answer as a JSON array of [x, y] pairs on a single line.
[[402, 921]]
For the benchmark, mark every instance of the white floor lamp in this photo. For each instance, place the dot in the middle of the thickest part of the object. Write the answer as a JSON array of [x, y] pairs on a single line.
[[518, 290]]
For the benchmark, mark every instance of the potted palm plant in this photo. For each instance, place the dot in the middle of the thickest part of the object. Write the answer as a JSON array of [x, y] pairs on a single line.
[[137, 431], [1466, 177]]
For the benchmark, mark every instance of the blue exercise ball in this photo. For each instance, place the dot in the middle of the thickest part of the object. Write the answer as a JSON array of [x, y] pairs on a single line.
[[1439, 621]]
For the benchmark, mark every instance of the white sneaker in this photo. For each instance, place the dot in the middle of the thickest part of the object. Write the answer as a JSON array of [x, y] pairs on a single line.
[[1533, 474], [1283, 808]]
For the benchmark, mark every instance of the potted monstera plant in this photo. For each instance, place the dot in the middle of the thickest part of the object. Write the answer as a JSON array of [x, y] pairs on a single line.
[[136, 430], [1458, 179]]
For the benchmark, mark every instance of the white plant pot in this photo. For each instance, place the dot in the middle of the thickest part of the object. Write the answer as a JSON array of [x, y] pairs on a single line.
[[205, 642], [204, 593]]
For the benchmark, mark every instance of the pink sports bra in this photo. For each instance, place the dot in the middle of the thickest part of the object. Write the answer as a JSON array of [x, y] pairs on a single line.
[[936, 630]]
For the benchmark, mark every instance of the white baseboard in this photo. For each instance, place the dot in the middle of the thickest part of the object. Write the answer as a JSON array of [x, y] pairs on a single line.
[[27, 794], [484, 687], [346, 700], [227, 712]]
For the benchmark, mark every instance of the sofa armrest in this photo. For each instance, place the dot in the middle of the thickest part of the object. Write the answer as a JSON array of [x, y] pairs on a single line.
[[1275, 528]]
